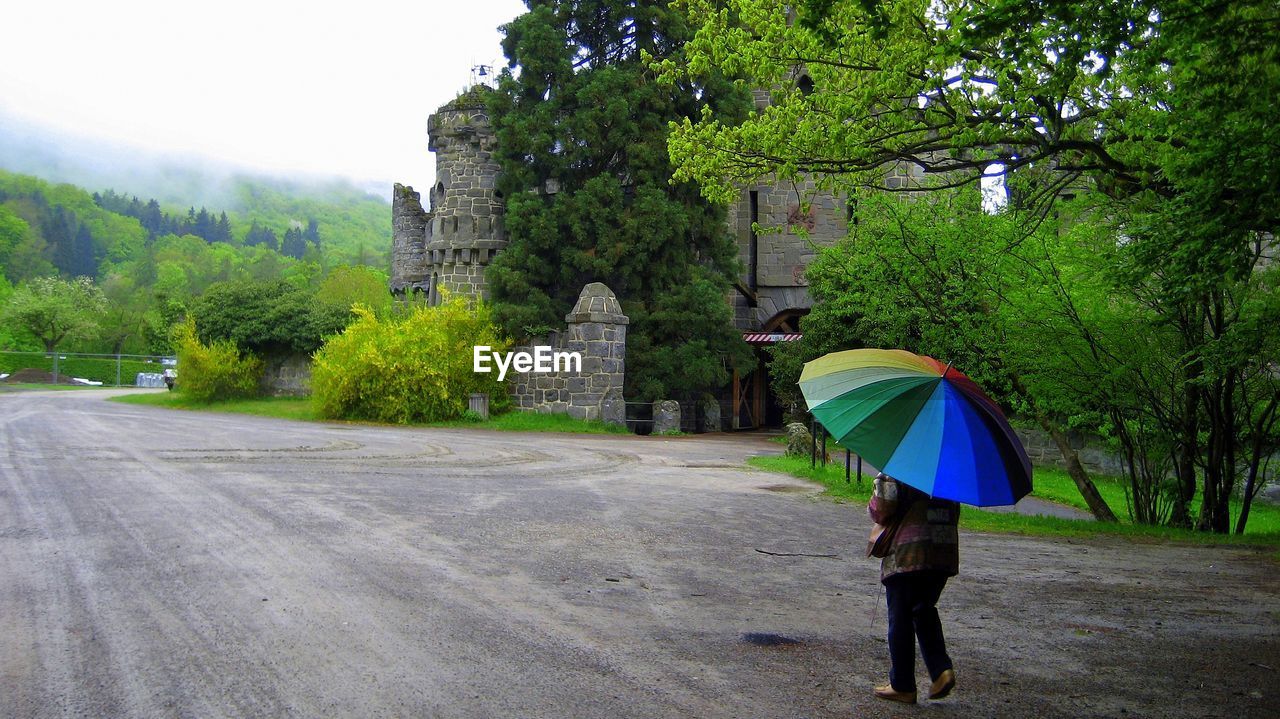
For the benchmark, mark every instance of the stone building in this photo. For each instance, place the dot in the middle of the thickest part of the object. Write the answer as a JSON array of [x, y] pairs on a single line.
[[449, 246], [772, 295]]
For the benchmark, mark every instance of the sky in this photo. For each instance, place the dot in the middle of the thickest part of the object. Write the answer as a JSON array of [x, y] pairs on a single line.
[[285, 87]]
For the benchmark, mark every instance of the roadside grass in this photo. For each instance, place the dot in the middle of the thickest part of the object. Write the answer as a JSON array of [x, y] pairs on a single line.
[[281, 407], [301, 408], [517, 421], [1051, 485]]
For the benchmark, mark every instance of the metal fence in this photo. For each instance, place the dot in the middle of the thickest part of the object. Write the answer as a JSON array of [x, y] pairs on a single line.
[[113, 370]]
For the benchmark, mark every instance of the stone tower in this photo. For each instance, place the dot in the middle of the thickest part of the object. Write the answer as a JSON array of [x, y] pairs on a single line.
[[449, 247]]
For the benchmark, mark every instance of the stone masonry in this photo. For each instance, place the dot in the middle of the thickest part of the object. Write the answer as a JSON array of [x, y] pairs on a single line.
[[448, 248], [598, 330]]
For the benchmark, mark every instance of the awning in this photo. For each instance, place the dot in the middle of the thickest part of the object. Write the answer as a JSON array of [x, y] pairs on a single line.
[[769, 338]]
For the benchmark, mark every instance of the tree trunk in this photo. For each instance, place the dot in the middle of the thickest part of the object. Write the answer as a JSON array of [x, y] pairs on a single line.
[[1262, 428], [1097, 505], [1185, 465]]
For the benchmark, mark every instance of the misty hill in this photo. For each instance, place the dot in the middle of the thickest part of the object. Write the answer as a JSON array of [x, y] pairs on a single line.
[[355, 224]]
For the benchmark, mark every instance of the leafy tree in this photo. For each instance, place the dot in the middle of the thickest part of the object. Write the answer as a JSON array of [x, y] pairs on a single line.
[[266, 317], [581, 139], [54, 310], [936, 275], [347, 286], [10, 337], [1162, 108], [13, 231], [124, 313]]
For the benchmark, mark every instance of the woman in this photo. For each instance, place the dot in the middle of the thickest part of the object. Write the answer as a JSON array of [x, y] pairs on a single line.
[[925, 552]]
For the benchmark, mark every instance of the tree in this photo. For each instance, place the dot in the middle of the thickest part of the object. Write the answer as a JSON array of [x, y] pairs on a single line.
[[311, 235], [84, 262], [347, 286], [222, 229], [266, 317], [936, 275], [581, 139], [293, 244], [124, 313], [1159, 107], [13, 230], [54, 310]]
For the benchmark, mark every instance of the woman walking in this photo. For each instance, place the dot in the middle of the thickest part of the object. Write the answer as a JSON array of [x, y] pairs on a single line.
[[923, 554]]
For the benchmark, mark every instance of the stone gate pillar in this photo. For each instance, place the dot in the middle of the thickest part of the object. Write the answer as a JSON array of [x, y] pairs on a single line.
[[598, 330]]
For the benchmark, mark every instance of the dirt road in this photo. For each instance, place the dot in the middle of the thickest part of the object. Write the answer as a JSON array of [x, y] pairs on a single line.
[[157, 563]]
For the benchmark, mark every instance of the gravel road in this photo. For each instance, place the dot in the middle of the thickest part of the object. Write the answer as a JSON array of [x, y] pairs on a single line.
[[156, 563]]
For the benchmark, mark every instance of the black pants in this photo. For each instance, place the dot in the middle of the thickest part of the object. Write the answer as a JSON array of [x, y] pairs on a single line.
[[912, 600]]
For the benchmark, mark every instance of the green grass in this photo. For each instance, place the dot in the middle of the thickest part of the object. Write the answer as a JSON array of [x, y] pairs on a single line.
[[282, 407], [517, 421], [300, 408], [1052, 485]]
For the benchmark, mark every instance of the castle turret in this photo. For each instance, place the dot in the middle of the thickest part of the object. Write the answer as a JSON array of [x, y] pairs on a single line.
[[465, 230], [450, 246]]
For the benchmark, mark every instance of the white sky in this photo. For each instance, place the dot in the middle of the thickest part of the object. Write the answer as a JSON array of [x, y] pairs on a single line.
[[295, 87]]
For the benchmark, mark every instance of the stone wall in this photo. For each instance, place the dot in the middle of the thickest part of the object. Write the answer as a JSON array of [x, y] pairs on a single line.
[[1043, 452], [408, 228], [286, 376], [597, 330]]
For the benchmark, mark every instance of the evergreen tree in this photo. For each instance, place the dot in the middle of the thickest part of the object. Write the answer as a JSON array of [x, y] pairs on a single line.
[[584, 116], [204, 225], [59, 226], [259, 235], [152, 218], [293, 245], [312, 234], [222, 229], [84, 261]]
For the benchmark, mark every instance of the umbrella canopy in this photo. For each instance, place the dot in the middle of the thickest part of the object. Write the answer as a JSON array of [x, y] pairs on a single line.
[[921, 422]]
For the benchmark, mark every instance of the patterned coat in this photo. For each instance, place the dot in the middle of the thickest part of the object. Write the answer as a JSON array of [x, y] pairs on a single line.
[[927, 540]]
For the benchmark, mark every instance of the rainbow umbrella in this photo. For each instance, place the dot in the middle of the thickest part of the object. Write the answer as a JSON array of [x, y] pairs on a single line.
[[920, 421]]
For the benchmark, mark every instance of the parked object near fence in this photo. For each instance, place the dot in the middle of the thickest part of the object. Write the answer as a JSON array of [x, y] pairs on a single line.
[[666, 417], [116, 370], [709, 411], [150, 379], [478, 402]]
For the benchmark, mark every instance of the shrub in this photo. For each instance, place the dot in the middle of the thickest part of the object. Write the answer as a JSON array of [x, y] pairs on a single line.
[[267, 317], [215, 371], [411, 368]]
